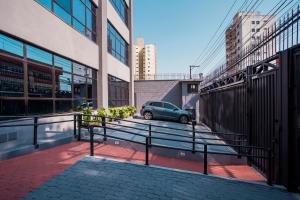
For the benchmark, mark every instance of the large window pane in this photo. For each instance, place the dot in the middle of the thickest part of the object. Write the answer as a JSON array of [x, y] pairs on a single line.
[[118, 92], [79, 87], [39, 81], [63, 85], [12, 107], [10, 45], [11, 79], [79, 69], [91, 89], [39, 55], [79, 11], [61, 13], [78, 26], [63, 64], [63, 106], [65, 4], [40, 107], [46, 3], [89, 20], [121, 8]]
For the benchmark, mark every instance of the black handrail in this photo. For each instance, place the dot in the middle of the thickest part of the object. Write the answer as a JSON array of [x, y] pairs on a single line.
[[204, 151]]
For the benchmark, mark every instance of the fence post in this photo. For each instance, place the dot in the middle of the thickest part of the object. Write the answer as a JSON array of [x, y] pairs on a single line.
[[269, 178], [79, 127], [147, 151], [205, 159], [91, 141], [104, 128], [150, 135], [194, 135], [35, 130], [75, 118]]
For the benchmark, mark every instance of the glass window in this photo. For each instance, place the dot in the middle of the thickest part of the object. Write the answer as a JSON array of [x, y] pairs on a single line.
[[65, 4], [63, 84], [12, 107], [78, 26], [63, 106], [11, 79], [79, 11], [79, 69], [156, 104], [79, 87], [63, 64], [89, 19], [170, 106], [39, 81], [121, 8], [91, 89], [10, 45], [192, 88], [40, 107], [118, 92], [46, 3], [39, 55], [61, 13], [117, 46]]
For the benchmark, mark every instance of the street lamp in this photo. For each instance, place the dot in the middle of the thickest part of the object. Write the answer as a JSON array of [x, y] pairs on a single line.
[[191, 68]]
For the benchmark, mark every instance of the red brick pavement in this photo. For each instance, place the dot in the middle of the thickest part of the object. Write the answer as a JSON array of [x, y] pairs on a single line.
[[22, 174]]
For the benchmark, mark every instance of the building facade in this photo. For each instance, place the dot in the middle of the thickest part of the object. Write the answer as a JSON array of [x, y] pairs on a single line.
[[145, 61], [59, 54], [245, 32]]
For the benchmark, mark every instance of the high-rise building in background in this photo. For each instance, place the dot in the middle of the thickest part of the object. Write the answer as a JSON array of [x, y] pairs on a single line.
[[145, 63], [57, 55], [246, 31]]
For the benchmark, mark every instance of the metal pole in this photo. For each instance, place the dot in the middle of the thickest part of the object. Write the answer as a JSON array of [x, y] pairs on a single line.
[[150, 135], [35, 139], [205, 159], [75, 118], [91, 141], [269, 178], [194, 135], [147, 151], [104, 128], [79, 127]]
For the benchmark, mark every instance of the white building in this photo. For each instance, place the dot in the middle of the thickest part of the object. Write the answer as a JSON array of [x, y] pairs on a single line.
[[246, 31], [58, 54], [145, 57]]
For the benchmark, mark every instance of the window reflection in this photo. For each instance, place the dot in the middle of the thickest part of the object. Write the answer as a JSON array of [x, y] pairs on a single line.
[[63, 84], [62, 13], [39, 81], [63, 64], [79, 69], [79, 87], [39, 55], [11, 79], [10, 45]]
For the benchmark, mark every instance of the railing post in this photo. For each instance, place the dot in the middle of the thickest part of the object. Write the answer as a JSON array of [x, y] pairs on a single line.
[[147, 151], [205, 159], [104, 128], [150, 134], [269, 174], [75, 118], [194, 136], [35, 130], [91, 140], [79, 127]]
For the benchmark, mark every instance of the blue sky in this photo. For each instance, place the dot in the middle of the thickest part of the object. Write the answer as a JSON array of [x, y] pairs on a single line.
[[182, 28]]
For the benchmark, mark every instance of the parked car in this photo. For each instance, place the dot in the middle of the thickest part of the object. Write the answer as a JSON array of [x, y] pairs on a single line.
[[164, 110]]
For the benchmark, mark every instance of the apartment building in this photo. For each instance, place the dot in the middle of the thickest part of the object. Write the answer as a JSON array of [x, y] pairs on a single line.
[[145, 58], [246, 31], [59, 54]]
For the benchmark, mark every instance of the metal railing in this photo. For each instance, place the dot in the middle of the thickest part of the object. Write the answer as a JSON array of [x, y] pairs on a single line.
[[244, 150], [90, 122]]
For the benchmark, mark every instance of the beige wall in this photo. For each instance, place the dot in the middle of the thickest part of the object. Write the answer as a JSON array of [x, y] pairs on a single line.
[[30, 21], [117, 69]]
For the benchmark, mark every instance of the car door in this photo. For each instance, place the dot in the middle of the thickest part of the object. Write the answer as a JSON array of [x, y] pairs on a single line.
[[157, 109], [170, 111]]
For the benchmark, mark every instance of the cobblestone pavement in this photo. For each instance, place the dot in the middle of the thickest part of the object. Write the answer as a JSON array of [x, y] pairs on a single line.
[[99, 178]]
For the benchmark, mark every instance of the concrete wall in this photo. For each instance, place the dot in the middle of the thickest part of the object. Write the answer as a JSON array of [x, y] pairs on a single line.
[[164, 90], [190, 100], [33, 23], [12, 138]]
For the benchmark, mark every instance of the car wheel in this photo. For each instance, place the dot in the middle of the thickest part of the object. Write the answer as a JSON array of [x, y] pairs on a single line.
[[148, 115], [184, 119]]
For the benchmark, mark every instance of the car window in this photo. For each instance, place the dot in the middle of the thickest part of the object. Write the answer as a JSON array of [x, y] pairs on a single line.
[[169, 106], [156, 104]]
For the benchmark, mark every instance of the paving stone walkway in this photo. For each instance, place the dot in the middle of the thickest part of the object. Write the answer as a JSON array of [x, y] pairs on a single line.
[[99, 178]]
